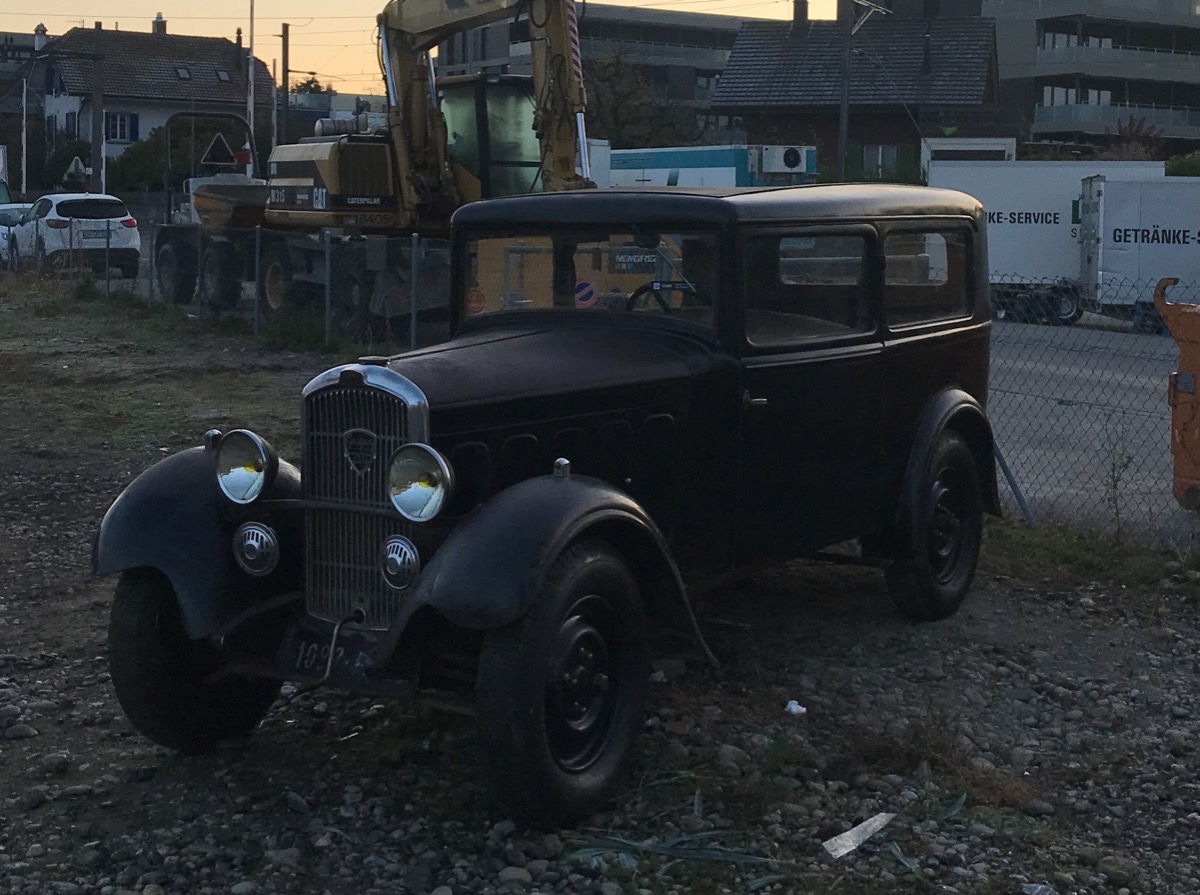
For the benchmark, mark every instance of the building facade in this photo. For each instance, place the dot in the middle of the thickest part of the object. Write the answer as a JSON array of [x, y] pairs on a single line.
[[1081, 69]]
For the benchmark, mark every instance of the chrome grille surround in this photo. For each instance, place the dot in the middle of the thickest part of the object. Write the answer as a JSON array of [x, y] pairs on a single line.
[[354, 418]]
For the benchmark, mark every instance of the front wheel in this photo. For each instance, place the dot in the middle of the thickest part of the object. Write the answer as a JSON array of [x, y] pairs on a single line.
[[560, 693], [167, 684], [276, 290], [933, 580], [176, 272]]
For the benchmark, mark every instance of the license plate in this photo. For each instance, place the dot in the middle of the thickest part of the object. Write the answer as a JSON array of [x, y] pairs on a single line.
[[312, 655], [94, 234]]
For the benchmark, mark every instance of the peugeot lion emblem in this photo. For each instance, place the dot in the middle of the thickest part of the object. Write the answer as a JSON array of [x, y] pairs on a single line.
[[359, 446]]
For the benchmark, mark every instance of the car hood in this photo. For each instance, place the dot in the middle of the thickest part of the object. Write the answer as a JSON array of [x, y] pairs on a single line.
[[510, 363]]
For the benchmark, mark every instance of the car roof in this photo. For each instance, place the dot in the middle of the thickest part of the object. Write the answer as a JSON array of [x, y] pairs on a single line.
[[715, 205], [62, 197]]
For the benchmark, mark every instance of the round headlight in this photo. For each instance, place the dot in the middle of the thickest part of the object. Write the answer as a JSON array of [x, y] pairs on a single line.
[[419, 482], [245, 463]]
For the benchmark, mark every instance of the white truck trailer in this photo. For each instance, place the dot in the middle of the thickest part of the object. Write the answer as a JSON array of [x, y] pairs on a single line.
[[1134, 233], [1033, 221]]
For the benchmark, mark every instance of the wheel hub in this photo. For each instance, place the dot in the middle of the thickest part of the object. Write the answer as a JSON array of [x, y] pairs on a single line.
[[579, 694], [945, 528]]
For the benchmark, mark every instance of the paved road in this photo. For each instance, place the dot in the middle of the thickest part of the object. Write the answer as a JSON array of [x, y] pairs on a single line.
[[1081, 417]]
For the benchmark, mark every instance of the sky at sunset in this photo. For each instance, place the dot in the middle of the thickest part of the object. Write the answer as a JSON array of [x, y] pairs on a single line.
[[335, 40]]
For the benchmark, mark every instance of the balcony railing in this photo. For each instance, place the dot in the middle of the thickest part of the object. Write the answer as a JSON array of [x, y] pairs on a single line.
[[1132, 62], [1170, 122]]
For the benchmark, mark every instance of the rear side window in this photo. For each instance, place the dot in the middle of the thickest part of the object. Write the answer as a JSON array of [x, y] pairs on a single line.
[[92, 209], [926, 277], [806, 287]]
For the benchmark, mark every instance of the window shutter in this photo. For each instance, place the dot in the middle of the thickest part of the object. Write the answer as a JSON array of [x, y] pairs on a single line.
[[133, 127]]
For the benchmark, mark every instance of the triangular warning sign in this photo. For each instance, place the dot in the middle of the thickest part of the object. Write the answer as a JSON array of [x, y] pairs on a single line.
[[218, 154]]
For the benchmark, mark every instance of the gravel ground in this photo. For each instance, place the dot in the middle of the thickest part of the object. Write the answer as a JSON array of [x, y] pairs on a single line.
[[1044, 740]]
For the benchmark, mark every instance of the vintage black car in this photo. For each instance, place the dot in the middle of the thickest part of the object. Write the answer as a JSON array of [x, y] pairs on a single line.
[[645, 391]]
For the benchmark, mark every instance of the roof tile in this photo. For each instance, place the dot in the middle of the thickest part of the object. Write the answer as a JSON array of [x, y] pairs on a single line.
[[773, 65], [140, 65]]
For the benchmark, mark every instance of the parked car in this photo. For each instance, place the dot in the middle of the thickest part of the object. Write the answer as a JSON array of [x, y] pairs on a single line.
[[10, 214], [646, 392], [92, 230]]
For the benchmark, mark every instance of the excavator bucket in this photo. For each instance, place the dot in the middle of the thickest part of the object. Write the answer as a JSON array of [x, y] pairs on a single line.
[[1183, 322]]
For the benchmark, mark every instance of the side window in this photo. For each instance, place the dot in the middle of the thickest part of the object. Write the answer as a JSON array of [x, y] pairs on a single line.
[[805, 287], [926, 277]]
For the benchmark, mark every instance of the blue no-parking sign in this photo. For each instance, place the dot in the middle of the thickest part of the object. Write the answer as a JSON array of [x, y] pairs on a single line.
[[585, 293]]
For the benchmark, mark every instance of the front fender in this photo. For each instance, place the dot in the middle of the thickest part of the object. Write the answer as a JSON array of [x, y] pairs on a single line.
[[173, 518], [950, 409], [492, 566]]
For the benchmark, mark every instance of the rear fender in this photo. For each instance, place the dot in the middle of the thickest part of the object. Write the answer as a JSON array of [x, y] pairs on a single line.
[[956, 410], [174, 518]]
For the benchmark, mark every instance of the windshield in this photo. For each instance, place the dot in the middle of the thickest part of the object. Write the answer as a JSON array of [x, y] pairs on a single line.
[[618, 270]]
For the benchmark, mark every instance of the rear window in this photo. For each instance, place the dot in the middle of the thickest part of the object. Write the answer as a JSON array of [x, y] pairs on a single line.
[[92, 209]]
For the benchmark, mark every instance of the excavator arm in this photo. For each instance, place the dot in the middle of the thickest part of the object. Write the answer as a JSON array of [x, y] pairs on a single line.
[[409, 29]]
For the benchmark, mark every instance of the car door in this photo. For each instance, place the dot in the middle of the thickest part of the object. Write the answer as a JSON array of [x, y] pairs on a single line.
[[27, 231], [936, 332], [812, 394]]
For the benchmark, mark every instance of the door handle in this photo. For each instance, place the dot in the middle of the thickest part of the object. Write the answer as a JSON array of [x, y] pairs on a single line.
[[748, 402]]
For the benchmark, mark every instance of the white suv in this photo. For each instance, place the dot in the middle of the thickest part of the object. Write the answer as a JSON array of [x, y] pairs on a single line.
[[78, 229]]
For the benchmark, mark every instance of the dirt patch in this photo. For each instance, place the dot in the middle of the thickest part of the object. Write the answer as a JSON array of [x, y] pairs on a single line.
[[1045, 735]]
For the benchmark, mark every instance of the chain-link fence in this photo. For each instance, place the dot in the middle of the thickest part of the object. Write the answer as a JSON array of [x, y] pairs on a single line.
[[375, 291], [1079, 376], [1078, 401], [107, 250]]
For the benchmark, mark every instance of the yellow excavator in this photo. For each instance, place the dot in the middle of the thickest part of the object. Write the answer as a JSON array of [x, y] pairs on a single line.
[[334, 206]]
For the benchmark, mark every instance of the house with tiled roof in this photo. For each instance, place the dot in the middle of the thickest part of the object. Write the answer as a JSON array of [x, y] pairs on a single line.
[[146, 77], [911, 78]]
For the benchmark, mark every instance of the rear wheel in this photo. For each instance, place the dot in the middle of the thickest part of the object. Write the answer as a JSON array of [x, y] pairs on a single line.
[[352, 303], [167, 684], [560, 693], [219, 285], [933, 580], [175, 267]]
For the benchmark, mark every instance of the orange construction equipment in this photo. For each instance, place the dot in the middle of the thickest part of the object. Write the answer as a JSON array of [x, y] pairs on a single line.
[[1183, 320]]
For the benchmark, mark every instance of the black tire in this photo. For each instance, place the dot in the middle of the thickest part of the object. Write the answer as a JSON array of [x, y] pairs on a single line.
[[352, 303], [276, 289], [175, 269], [1068, 309], [560, 693], [164, 681], [932, 582], [219, 285]]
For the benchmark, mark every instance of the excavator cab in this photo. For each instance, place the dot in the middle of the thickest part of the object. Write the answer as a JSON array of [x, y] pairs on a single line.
[[491, 140]]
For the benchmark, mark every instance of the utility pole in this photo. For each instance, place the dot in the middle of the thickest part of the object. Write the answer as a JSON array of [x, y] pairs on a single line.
[[98, 114], [24, 137], [845, 14], [283, 106], [250, 89]]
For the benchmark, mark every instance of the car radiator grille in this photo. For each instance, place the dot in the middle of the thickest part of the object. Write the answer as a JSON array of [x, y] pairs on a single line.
[[350, 435]]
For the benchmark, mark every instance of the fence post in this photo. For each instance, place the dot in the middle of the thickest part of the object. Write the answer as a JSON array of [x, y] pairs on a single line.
[[153, 261], [107, 264], [412, 293], [257, 273], [328, 287]]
